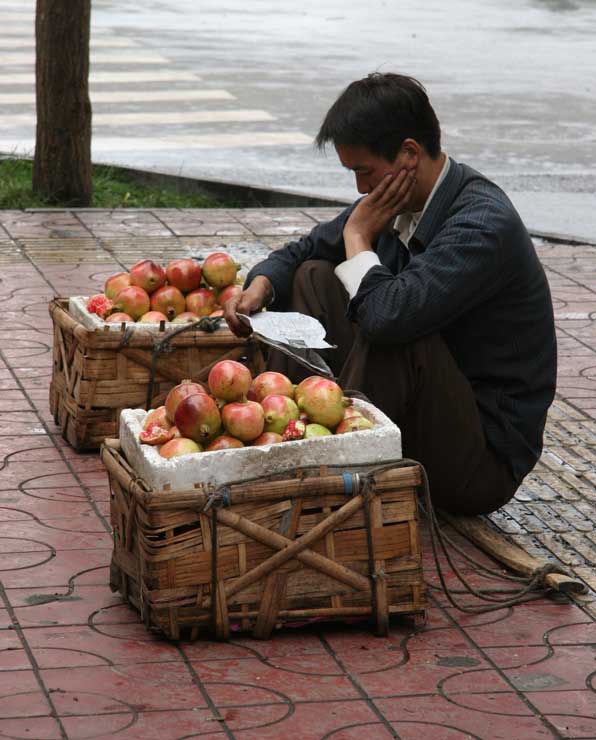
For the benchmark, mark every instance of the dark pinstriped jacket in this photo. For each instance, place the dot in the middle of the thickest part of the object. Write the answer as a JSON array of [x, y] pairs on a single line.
[[471, 274]]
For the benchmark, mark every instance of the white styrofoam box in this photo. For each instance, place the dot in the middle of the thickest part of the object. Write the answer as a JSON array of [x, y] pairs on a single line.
[[378, 445], [77, 308]]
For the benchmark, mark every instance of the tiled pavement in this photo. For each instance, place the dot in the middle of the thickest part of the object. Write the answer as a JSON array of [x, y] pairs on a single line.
[[76, 663]]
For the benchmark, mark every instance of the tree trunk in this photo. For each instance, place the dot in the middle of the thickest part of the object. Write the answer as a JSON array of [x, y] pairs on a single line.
[[62, 164]]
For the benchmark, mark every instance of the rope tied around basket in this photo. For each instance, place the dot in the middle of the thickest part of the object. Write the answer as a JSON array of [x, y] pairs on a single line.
[[208, 324]]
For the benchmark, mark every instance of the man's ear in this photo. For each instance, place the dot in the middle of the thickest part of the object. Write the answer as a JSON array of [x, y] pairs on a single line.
[[410, 151]]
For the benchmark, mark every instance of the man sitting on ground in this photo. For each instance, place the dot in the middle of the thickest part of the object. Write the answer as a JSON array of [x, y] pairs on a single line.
[[432, 291]]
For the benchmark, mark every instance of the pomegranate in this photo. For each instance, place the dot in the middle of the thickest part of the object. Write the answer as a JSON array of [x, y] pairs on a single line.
[[228, 292], [186, 317], [169, 300], [294, 430], [353, 424], [279, 410], [179, 446], [132, 300], [216, 313], [267, 438], [322, 400], [197, 417], [219, 270], [243, 420], [229, 380], [316, 430], [152, 317], [155, 434], [115, 283], [271, 382], [118, 317], [184, 274], [157, 416], [147, 275], [201, 301], [351, 412], [177, 393], [99, 304], [224, 442]]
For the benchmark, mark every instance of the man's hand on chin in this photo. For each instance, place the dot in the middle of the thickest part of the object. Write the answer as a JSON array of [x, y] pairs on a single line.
[[389, 198]]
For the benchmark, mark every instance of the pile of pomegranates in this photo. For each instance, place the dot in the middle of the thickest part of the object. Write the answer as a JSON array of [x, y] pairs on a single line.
[[237, 410], [183, 291]]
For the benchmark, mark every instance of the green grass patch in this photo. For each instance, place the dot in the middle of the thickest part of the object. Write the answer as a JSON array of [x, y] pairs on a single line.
[[111, 189]]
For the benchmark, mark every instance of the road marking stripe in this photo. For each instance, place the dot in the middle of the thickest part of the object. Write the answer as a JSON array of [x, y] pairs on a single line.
[[132, 96], [169, 143], [159, 75], [101, 57], [159, 117]]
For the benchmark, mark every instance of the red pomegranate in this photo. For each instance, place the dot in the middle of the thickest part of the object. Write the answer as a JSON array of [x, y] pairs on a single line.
[[350, 412], [267, 438], [354, 424], [184, 274], [322, 400], [147, 275], [224, 442], [201, 301], [152, 317], [197, 417], [229, 380], [169, 300], [177, 393], [115, 283], [228, 292], [118, 317], [179, 446], [132, 300], [219, 270], [294, 430], [99, 304], [278, 412], [270, 382], [243, 420]]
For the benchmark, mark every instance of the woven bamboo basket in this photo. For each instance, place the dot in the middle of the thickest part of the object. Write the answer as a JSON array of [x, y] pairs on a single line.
[[253, 556], [97, 373]]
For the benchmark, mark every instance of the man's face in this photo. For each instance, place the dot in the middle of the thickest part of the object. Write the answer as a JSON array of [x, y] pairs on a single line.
[[368, 168]]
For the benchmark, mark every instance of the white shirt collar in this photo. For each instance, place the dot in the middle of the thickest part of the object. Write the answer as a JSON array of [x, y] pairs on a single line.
[[405, 224]]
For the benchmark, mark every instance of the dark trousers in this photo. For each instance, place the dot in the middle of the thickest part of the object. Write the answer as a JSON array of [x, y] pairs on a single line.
[[419, 386]]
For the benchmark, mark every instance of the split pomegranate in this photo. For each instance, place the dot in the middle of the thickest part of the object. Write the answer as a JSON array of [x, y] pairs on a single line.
[[147, 275], [279, 410], [243, 420], [229, 380], [224, 442], [219, 270], [179, 446], [197, 417], [322, 400], [157, 416], [270, 382], [132, 300], [115, 283], [155, 434], [294, 430], [201, 301], [184, 274], [99, 304], [169, 300]]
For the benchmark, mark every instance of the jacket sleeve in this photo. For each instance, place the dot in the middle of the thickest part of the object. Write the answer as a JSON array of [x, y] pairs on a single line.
[[324, 242], [464, 264]]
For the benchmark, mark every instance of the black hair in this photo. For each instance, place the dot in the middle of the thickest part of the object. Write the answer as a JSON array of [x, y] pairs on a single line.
[[379, 112]]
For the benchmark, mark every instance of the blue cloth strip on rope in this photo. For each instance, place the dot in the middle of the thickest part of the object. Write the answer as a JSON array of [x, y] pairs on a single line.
[[348, 483]]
